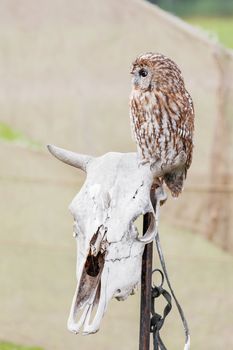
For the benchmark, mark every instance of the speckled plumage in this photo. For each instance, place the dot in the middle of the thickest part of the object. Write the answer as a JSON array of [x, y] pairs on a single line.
[[162, 115]]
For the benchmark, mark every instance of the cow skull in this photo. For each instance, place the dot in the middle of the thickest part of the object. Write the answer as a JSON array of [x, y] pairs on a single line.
[[116, 192]]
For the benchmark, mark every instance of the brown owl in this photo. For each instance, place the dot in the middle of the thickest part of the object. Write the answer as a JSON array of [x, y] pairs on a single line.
[[162, 115]]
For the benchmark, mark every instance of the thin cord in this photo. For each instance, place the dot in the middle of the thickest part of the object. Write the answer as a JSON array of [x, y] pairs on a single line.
[[162, 261]]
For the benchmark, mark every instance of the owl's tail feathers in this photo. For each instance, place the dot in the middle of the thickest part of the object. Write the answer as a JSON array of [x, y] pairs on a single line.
[[174, 182]]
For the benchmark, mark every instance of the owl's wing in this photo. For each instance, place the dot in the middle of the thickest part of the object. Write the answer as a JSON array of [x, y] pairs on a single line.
[[175, 179], [186, 131]]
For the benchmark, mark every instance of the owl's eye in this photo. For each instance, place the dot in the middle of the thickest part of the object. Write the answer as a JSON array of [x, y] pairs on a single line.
[[143, 72]]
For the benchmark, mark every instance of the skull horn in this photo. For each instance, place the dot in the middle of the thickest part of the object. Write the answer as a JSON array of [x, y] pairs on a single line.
[[150, 233], [77, 160]]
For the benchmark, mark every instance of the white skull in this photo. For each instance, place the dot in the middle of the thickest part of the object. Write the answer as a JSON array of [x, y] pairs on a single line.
[[116, 192]]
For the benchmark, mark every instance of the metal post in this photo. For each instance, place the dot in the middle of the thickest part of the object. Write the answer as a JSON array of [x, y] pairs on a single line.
[[144, 336]]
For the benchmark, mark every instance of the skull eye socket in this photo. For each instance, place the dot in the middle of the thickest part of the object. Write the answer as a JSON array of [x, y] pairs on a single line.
[[143, 72]]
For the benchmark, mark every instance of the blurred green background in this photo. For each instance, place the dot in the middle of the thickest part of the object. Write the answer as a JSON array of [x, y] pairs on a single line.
[[185, 8], [65, 80], [10, 346], [215, 16], [222, 27]]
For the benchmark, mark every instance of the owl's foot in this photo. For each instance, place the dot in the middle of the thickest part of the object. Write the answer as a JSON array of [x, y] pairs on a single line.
[[169, 166], [155, 163], [142, 162], [161, 195], [181, 158], [158, 194]]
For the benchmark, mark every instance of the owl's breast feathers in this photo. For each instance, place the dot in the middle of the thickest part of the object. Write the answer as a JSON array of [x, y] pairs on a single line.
[[163, 124]]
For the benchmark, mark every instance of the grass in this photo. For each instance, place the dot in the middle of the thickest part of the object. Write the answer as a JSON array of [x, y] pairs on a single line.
[[7, 133], [220, 26], [10, 346]]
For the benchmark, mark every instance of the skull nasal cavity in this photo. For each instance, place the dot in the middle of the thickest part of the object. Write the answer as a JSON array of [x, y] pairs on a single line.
[[92, 265]]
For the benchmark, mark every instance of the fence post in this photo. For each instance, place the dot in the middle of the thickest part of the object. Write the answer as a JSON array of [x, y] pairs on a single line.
[[145, 308]]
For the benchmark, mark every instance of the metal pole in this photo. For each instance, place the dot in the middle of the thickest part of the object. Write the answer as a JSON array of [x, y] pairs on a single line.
[[144, 336]]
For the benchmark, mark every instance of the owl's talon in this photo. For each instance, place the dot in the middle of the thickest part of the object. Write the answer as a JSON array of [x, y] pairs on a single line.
[[158, 195], [161, 195], [157, 164], [142, 162], [182, 157], [163, 165]]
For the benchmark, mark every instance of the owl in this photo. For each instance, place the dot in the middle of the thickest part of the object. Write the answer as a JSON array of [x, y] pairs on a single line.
[[162, 115]]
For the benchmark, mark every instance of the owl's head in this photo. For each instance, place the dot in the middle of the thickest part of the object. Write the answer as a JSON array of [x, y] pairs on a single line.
[[154, 71]]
